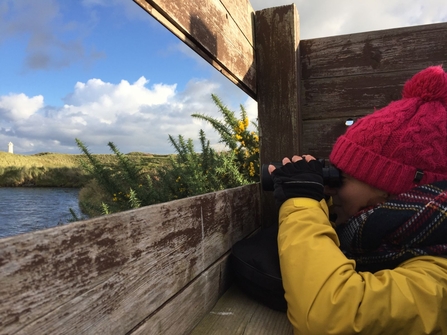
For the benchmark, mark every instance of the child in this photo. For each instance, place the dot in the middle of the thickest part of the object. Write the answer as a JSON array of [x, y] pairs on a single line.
[[381, 267]]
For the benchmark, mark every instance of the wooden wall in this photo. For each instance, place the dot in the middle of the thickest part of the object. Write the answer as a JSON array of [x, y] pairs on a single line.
[[349, 76], [154, 270]]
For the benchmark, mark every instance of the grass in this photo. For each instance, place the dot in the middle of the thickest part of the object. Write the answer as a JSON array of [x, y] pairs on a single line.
[[49, 160], [60, 170]]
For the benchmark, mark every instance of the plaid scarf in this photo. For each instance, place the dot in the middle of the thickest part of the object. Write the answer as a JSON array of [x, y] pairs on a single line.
[[412, 224]]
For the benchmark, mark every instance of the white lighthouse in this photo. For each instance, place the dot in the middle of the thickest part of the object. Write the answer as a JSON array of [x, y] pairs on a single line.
[[10, 148]]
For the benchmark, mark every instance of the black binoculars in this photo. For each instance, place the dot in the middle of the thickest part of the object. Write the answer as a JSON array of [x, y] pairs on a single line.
[[331, 175]]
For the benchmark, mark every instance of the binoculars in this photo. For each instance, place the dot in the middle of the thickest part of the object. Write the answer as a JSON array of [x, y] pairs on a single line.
[[331, 175]]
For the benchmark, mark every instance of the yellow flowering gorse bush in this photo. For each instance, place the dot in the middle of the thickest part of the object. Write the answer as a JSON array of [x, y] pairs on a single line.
[[188, 173]]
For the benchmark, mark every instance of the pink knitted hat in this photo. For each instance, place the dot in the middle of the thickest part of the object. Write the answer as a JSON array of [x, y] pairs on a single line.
[[403, 144]]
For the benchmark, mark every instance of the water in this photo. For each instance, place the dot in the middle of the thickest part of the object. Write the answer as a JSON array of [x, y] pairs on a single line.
[[26, 209]]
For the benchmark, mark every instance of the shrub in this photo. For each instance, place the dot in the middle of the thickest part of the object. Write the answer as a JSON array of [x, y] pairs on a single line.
[[124, 185], [237, 137]]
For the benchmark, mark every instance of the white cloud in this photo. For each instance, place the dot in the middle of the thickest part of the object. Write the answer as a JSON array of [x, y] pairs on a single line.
[[107, 101], [135, 116], [251, 106], [16, 107]]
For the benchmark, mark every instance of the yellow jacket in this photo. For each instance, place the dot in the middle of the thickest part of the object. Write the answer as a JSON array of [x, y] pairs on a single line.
[[325, 295]]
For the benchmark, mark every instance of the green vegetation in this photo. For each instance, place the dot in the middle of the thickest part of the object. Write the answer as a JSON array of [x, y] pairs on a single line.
[[125, 184], [45, 169], [58, 170], [115, 182]]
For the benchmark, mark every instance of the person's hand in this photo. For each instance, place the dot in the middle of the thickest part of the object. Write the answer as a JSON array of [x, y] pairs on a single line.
[[300, 178]]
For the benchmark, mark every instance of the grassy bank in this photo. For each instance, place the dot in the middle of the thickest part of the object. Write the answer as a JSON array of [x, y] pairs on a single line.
[[59, 170]]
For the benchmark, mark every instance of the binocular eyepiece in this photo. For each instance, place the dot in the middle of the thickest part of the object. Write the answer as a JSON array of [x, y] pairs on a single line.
[[331, 175]]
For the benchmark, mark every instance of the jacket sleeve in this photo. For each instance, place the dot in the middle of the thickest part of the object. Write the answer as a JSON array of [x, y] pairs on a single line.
[[325, 295]]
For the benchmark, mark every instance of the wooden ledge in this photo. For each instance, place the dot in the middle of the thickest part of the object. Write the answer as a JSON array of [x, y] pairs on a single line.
[[236, 314]]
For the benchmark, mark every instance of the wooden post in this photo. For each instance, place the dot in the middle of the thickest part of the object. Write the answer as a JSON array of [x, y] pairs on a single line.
[[278, 90]]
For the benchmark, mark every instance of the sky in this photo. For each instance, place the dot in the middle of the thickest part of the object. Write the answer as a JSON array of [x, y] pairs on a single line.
[[106, 71]]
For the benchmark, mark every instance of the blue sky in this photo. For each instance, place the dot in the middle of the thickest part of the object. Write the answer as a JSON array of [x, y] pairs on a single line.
[[105, 70]]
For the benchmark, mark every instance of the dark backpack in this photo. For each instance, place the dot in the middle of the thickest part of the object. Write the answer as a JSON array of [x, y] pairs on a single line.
[[255, 264]]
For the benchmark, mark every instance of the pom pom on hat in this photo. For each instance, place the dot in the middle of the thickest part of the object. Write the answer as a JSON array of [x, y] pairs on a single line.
[[428, 85], [403, 144]]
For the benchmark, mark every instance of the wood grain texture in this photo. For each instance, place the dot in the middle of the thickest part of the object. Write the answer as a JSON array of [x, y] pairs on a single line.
[[278, 78], [106, 275], [350, 96], [277, 40], [391, 50], [221, 31], [319, 136], [182, 313], [237, 314]]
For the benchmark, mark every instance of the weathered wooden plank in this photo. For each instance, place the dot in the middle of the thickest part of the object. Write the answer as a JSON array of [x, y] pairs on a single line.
[[219, 31], [401, 49], [106, 275], [237, 314], [183, 312], [350, 96], [319, 135], [349, 76], [278, 78]]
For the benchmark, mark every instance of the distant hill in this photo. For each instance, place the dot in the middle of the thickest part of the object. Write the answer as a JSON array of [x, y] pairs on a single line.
[[59, 170]]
